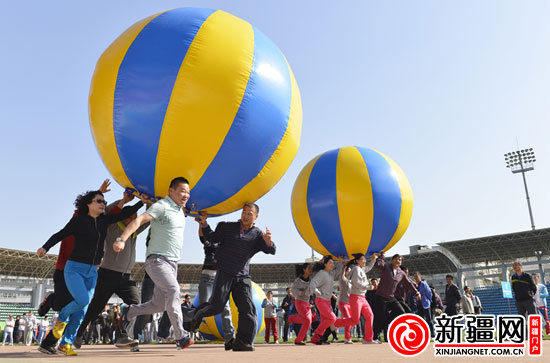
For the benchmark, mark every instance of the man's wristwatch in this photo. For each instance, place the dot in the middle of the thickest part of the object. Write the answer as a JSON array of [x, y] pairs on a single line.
[[118, 239]]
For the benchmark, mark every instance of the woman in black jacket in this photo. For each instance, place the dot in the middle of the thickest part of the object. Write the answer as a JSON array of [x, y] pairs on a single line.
[[89, 228]]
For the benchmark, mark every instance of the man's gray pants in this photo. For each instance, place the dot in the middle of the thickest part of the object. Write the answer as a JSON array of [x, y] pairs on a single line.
[[166, 295], [206, 284]]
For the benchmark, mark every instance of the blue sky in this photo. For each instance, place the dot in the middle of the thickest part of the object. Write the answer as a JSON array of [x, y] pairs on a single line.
[[443, 88]]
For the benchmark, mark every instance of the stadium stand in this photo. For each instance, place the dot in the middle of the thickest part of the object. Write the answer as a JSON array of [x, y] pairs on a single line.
[[493, 302]]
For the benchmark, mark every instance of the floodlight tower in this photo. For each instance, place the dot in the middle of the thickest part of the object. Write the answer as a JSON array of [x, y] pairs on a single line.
[[521, 161]]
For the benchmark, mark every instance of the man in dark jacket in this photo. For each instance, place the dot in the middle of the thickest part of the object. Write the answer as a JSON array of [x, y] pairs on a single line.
[[524, 291], [452, 297], [239, 242], [287, 302]]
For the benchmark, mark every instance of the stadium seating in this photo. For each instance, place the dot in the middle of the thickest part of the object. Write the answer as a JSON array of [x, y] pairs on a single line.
[[14, 309], [493, 302]]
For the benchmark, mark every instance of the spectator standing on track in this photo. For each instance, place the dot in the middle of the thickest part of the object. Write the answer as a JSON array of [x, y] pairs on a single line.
[[8, 330], [477, 303], [270, 317], [424, 305], [453, 300], [287, 301], [30, 328], [467, 302]]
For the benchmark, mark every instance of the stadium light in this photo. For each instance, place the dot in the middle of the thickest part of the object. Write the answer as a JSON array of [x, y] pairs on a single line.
[[521, 161]]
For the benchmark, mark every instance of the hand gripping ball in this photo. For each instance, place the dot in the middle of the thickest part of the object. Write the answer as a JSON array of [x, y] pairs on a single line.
[[351, 200], [197, 93], [211, 327]]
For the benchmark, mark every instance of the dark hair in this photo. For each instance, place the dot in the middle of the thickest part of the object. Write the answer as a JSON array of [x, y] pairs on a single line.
[[82, 200], [300, 269], [355, 260], [288, 288], [466, 287], [403, 268], [187, 296], [252, 205], [270, 292], [449, 277], [179, 180], [321, 264], [394, 256], [371, 280]]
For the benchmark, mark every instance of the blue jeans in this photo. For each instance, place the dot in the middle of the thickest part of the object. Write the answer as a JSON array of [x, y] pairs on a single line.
[[206, 285], [80, 279], [6, 335]]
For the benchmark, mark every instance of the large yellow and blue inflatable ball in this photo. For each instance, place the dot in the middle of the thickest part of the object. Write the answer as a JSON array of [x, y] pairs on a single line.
[[212, 329], [198, 93], [351, 200]]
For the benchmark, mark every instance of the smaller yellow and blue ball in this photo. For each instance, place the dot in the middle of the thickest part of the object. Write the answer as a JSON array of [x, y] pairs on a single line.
[[351, 200], [211, 327]]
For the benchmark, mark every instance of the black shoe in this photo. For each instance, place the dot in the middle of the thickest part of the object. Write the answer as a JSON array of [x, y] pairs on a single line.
[[299, 343], [184, 343], [47, 349], [229, 344], [239, 346], [46, 305]]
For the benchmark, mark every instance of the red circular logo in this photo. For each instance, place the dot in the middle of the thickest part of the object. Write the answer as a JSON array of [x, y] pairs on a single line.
[[408, 335]]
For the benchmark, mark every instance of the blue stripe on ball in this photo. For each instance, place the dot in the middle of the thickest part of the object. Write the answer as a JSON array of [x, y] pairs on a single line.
[[150, 68]]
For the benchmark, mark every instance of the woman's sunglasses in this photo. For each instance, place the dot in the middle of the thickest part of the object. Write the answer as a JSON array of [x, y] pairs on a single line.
[[100, 201]]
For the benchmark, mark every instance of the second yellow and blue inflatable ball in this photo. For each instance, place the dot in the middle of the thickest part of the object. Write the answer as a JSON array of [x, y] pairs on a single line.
[[212, 329], [351, 200], [197, 93]]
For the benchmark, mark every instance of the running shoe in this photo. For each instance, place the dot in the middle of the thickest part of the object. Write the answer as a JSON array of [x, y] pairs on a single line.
[[67, 349], [58, 329], [184, 343], [124, 342], [47, 349]]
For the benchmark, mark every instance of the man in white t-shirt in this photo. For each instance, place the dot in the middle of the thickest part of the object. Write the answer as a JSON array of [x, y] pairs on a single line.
[[44, 325], [22, 327], [8, 330]]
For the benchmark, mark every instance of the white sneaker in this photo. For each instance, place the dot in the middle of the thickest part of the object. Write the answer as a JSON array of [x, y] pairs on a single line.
[[276, 342], [348, 342], [372, 342], [266, 342]]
